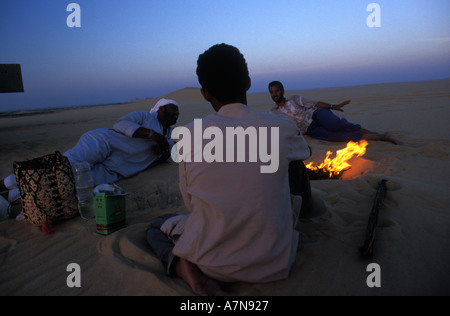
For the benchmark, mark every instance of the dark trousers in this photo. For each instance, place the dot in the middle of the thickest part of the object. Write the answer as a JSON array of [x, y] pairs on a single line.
[[161, 244], [328, 126]]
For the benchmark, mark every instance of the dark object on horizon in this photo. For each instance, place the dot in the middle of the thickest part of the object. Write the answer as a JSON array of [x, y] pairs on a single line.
[[11, 78], [367, 250]]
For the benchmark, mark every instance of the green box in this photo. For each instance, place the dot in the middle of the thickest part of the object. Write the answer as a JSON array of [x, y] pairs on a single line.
[[110, 213]]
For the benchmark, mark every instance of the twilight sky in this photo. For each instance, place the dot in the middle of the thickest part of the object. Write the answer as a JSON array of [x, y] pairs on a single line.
[[126, 49]]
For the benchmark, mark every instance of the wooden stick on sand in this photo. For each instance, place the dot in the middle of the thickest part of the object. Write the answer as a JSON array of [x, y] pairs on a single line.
[[367, 250]]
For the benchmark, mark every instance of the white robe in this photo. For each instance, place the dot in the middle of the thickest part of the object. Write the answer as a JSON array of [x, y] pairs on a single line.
[[113, 153]]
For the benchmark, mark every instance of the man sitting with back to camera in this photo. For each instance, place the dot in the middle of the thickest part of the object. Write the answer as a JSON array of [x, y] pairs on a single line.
[[241, 221]]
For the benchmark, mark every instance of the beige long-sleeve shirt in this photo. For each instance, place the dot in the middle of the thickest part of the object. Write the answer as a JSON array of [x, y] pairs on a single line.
[[240, 226]]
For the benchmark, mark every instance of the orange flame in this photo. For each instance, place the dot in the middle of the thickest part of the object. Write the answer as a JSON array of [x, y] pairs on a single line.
[[340, 162]]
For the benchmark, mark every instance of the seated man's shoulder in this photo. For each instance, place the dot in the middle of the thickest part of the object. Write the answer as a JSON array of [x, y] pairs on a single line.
[[276, 118], [146, 113], [136, 115]]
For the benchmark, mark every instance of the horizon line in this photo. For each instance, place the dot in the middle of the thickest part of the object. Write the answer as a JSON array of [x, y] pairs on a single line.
[[33, 111]]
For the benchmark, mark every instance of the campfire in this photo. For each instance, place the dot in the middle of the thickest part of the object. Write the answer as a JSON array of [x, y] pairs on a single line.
[[332, 168]]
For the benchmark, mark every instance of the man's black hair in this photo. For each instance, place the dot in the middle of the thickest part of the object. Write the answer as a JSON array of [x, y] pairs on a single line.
[[276, 84], [223, 72]]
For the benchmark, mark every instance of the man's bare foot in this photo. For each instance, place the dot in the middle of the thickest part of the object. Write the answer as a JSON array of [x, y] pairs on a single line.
[[199, 283], [388, 138], [382, 137]]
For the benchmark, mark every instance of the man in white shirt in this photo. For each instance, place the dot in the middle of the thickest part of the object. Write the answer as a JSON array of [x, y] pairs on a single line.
[[242, 216], [136, 141], [315, 119]]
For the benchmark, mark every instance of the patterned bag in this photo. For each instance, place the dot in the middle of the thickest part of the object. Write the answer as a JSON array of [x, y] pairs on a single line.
[[47, 190]]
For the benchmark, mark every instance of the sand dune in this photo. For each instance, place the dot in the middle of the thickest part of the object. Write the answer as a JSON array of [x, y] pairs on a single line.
[[412, 244]]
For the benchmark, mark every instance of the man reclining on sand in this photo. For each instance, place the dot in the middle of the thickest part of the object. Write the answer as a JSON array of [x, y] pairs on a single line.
[[315, 119], [241, 221], [136, 141]]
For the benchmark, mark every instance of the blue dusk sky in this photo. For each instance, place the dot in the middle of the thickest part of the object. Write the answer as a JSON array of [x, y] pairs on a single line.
[[127, 49]]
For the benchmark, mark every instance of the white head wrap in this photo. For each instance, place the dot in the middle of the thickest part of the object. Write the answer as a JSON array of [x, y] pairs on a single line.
[[163, 102]]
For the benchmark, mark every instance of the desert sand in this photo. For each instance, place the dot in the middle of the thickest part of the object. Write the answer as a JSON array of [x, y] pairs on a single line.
[[412, 245]]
